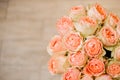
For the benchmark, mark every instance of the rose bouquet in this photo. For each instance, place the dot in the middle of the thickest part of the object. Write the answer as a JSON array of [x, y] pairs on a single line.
[[87, 46]]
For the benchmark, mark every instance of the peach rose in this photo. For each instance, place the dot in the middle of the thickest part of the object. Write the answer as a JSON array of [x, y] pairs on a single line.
[[86, 25], [86, 77], [56, 64], [95, 67], [77, 11], [72, 74], [112, 20], [73, 41], [104, 77], [116, 53], [113, 69], [56, 45], [108, 36], [93, 47], [97, 12], [64, 25], [77, 59]]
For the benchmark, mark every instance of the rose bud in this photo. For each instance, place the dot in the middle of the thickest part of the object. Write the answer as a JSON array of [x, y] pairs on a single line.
[[93, 47], [56, 64], [108, 36], [104, 77], [56, 45], [64, 25], [113, 69], [97, 12], [116, 53], [86, 77], [73, 41], [94, 67], [76, 12], [77, 59], [72, 74], [112, 20], [86, 26]]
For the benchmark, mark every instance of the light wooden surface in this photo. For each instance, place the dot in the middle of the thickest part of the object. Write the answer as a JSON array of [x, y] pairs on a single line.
[[26, 26]]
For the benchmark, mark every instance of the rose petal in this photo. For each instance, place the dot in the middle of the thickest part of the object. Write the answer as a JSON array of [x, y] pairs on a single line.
[[55, 64], [56, 45], [116, 53], [77, 59], [95, 67], [72, 74], [113, 69], [86, 26], [108, 36], [112, 20], [104, 77], [64, 25], [76, 12], [73, 41], [97, 12], [93, 47]]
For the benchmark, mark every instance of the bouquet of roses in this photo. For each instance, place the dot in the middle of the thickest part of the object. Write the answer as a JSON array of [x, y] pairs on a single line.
[[87, 46]]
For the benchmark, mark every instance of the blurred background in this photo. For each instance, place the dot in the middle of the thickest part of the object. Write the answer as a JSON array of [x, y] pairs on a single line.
[[26, 26]]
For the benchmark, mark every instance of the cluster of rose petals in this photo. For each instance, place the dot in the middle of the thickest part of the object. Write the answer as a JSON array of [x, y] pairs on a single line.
[[87, 45]]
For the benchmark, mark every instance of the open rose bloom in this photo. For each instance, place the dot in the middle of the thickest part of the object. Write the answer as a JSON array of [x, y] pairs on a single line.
[[87, 46], [56, 46], [71, 74], [77, 59]]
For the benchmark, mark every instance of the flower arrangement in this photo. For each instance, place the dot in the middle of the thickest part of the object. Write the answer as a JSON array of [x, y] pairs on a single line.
[[87, 46]]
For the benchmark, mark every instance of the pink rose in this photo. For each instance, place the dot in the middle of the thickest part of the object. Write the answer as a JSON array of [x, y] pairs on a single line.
[[56, 64], [112, 20], [77, 59], [108, 36], [56, 45], [95, 67], [93, 47], [86, 26], [64, 25], [73, 41], [104, 77], [97, 12], [113, 69], [72, 74], [76, 12]]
